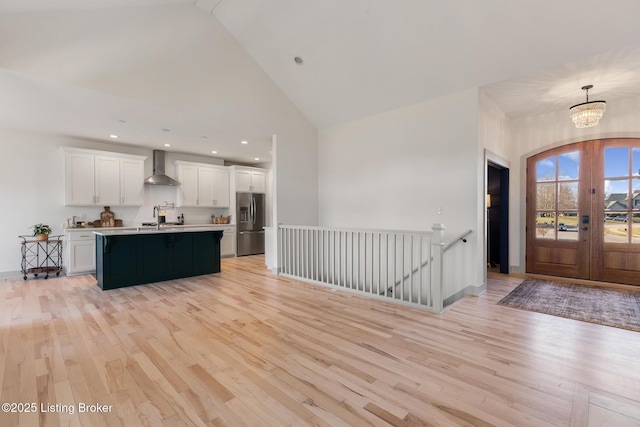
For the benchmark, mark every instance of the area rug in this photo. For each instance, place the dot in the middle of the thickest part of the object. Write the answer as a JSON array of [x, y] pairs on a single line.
[[615, 307]]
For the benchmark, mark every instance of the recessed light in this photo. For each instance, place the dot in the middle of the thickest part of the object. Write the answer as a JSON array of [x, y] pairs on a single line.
[[256, 158], [166, 130], [167, 145], [245, 142], [214, 152], [298, 60], [113, 136]]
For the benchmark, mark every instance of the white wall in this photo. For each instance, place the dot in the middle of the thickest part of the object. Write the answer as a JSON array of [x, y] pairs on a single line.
[[398, 169], [531, 135]]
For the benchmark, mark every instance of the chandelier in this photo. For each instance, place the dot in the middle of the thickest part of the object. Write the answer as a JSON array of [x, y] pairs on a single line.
[[588, 113]]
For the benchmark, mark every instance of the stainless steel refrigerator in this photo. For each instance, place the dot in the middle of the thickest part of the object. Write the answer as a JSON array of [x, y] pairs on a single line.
[[250, 220]]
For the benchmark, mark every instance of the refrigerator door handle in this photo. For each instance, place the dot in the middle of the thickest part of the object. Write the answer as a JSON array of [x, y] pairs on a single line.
[[253, 206]]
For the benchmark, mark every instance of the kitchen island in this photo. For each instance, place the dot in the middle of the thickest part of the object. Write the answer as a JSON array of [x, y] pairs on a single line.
[[146, 254]]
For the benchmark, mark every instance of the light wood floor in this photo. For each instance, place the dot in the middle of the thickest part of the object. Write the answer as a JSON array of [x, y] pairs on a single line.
[[246, 348]]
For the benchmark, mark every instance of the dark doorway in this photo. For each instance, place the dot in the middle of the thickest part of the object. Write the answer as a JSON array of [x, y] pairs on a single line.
[[498, 218]]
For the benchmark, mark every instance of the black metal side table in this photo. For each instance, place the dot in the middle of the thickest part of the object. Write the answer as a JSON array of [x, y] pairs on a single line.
[[41, 256]]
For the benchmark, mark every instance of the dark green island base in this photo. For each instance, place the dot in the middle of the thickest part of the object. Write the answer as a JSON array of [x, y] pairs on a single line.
[[131, 258]]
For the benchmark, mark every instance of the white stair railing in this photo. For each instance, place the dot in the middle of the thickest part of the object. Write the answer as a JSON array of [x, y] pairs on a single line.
[[402, 266]]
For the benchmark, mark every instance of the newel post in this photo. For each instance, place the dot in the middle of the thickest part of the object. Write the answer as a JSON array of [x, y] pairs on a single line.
[[277, 247], [437, 266]]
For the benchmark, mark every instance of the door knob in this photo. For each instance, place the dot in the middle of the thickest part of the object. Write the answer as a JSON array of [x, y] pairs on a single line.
[[585, 228]]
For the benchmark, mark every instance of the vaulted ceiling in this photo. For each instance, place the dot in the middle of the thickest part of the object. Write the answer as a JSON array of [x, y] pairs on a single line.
[[200, 74]]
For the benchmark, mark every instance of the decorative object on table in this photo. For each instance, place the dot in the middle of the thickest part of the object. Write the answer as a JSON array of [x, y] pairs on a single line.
[[220, 219], [107, 218], [41, 231], [98, 223]]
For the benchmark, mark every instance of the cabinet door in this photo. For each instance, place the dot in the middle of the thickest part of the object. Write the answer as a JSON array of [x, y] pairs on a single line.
[[243, 181], [228, 242], [206, 191], [221, 187], [79, 182], [188, 193], [131, 182], [107, 184], [82, 257], [258, 182]]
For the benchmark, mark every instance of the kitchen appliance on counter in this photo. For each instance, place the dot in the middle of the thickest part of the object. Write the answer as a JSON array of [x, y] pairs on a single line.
[[250, 222]]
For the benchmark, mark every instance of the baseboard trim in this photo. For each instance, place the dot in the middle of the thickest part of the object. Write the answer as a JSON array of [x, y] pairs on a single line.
[[469, 290], [10, 274]]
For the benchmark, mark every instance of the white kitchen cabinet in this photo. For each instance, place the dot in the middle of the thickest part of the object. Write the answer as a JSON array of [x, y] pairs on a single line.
[[107, 180], [202, 185], [80, 179], [131, 175], [228, 241], [221, 187], [250, 180], [103, 178], [80, 252]]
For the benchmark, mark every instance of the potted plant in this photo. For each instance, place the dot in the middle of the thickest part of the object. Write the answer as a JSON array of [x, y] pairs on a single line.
[[41, 231]]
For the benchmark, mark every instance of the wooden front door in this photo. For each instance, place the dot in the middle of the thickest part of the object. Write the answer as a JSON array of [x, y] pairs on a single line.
[[583, 211]]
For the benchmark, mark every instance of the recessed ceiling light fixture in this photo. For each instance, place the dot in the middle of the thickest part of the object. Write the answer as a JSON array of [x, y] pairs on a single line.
[[214, 152], [298, 60], [256, 158], [113, 136], [167, 145], [245, 142], [588, 113]]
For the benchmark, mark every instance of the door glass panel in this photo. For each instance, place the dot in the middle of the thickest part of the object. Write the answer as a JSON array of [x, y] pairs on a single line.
[[567, 226], [546, 196], [616, 201], [546, 169], [635, 228], [616, 162], [635, 194], [545, 225], [635, 161], [616, 194], [568, 196], [616, 229], [568, 166]]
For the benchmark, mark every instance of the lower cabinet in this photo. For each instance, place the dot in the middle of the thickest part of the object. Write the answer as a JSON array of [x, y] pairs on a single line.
[[228, 242], [80, 252], [133, 259]]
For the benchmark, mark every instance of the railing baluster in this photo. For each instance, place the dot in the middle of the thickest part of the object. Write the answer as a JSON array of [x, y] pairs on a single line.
[[403, 275], [420, 272], [392, 264]]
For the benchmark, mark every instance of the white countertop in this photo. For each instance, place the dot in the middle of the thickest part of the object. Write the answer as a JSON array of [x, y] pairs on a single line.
[[135, 227]]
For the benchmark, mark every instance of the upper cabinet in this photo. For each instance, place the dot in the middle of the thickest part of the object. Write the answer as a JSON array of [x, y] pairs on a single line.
[[250, 180], [203, 185], [103, 178]]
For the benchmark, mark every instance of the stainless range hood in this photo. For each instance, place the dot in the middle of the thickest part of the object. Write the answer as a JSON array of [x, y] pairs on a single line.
[[159, 177]]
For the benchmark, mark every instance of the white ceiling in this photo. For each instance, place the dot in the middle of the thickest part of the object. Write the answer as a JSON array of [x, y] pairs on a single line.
[[88, 68]]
